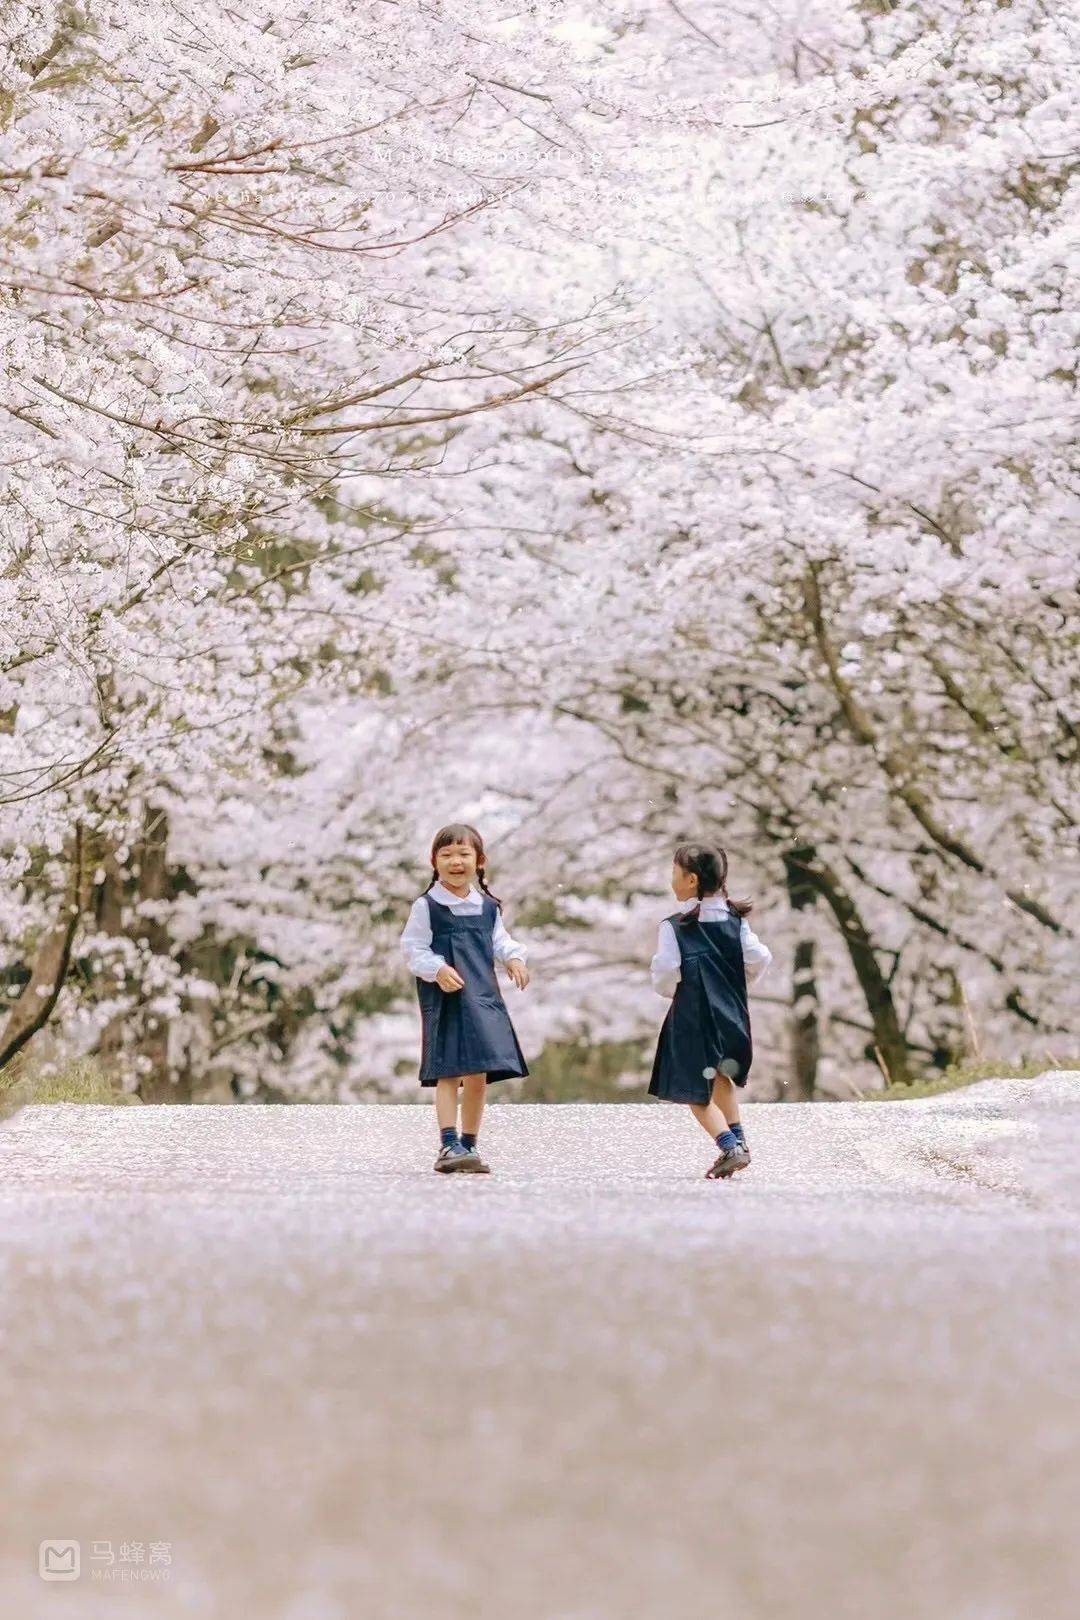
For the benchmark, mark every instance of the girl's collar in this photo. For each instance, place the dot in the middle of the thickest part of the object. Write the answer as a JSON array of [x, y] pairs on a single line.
[[439, 887]]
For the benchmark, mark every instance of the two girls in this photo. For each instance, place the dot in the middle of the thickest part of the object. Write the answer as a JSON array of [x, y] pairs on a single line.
[[706, 955]]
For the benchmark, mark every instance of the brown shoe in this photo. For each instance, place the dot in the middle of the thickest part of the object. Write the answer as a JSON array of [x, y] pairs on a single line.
[[451, 1159], [731, 1160]]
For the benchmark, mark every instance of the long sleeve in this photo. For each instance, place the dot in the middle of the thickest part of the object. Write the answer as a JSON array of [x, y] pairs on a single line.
[[505, 948], [756, 956], [416, 943], [665, 969]]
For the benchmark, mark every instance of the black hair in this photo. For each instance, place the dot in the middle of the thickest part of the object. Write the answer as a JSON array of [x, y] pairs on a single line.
[[709, 864], [460, 832]]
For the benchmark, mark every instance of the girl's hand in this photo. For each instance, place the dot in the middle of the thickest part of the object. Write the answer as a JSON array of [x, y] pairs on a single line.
[[449, 978], [518, 972]]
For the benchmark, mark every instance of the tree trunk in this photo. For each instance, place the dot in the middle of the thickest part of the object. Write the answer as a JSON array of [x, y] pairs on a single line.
[[136, 1041], [890, 1047], [805, 1028], [40, 994], [158, 1083], [805, 1009]]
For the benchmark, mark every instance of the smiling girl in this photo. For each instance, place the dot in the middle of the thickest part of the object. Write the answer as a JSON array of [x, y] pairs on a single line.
[[453, 938]]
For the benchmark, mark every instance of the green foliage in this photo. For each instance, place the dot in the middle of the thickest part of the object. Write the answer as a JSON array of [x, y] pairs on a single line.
[[968, 1074], [81, 1081], [583, 1071], [541, 911]]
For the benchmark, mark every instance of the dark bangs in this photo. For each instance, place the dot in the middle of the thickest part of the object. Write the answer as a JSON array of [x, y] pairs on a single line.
[[457, 832]]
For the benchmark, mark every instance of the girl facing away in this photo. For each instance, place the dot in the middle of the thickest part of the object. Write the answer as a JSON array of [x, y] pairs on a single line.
[[453, 938], [706, 955]]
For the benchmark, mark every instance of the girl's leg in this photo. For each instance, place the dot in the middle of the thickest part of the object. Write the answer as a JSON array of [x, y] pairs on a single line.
[[473, 1097], [709, 1117], [712, 1118], [725, 1098], [446, 1103]]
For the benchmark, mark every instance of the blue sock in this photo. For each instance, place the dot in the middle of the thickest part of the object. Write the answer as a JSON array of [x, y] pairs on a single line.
[[739, 1134], [726, 1141], [468, 1139], [449, 1135]]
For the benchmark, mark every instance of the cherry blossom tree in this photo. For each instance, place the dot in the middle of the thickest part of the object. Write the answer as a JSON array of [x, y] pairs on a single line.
[[611, 429]]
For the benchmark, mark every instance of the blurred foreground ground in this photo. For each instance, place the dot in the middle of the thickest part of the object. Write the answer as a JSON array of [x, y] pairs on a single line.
[[270, 1346]]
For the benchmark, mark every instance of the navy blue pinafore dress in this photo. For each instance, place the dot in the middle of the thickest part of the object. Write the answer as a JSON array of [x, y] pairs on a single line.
[[466, 1031], [707, 1028]]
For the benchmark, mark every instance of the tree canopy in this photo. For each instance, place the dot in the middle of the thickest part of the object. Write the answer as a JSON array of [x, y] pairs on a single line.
[[607, 428]]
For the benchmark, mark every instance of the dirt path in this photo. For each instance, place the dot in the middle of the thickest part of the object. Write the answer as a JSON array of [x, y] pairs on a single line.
[[269, 1346]]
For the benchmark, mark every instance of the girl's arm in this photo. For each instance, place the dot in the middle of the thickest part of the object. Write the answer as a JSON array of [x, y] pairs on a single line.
[[505, 948], [756, 956], [416, 943], [665, 969]]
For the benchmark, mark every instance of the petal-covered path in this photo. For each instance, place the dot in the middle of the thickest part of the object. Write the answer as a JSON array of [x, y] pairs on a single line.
[[262, 1364]]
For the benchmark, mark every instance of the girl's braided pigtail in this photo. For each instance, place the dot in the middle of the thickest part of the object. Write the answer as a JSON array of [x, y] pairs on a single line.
[[483, 884]]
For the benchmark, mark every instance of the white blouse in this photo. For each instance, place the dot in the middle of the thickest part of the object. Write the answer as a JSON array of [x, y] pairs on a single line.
[[416, 935], [665, 969]]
